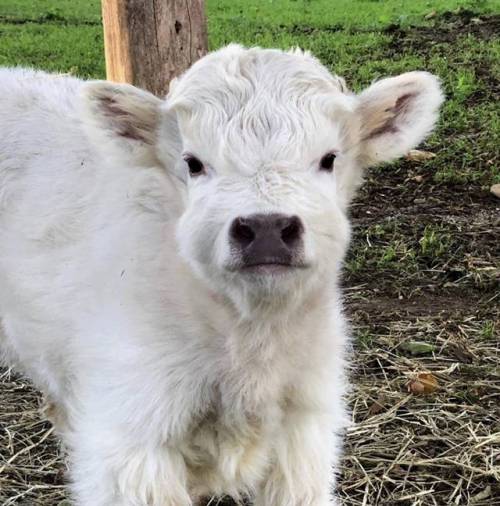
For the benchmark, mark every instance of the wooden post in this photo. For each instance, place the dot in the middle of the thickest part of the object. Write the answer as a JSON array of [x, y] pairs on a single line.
[[148, 42]]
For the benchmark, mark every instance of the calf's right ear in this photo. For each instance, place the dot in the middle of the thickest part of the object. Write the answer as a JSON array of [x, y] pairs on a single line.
[[122, 121]]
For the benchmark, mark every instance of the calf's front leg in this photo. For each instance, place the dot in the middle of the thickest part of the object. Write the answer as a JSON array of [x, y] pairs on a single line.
[[301, 473], [115, 472]]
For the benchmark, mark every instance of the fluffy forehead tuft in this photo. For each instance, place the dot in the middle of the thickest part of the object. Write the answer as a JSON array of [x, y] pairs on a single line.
[[241, 73], [257, 98]]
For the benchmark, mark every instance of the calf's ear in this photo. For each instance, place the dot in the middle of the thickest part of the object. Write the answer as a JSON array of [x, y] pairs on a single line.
[[122, 121], [396, 114]]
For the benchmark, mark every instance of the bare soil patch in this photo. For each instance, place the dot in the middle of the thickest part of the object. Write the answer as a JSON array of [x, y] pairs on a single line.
[[449, 26]]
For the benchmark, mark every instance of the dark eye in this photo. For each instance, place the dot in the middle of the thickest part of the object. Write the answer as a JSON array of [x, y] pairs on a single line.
[[327, 162], [196, 168]]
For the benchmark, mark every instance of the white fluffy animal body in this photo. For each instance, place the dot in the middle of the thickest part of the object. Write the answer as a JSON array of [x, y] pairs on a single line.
[[169, 268]]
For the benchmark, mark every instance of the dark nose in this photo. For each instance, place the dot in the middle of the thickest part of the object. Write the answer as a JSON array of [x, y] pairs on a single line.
[[267, 238]]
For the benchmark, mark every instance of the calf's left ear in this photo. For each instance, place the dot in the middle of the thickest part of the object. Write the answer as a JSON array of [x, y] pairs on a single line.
[[121, 120], [396, 114]]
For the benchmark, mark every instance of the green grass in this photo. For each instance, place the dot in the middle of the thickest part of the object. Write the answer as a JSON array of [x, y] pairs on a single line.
[[260, 14], [75, 11], [40, 45], [434, 242], [488, 330]]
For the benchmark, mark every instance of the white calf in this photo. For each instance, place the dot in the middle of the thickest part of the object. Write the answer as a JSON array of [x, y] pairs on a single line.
[[169, 269]]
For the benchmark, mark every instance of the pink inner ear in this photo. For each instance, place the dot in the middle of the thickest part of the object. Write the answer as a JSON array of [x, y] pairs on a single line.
[[110, 107], [386, 128], [389, 127], [129, 132], [402, 103], [124, 128]]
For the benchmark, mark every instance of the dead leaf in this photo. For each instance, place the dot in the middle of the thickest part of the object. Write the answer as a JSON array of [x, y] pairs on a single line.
[[378, 405], [430, 15], [415, 387], [495, 189], [418, 178], [424, 383], [416, 155]]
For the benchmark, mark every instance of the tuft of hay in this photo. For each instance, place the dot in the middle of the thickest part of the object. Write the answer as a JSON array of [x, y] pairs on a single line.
[[437, 448], [31, 464]]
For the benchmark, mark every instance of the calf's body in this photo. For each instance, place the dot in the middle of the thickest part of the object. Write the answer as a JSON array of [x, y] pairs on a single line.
[[177, 368]]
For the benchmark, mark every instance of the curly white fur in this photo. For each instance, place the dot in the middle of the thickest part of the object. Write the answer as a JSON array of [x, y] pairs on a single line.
[[176, 376]]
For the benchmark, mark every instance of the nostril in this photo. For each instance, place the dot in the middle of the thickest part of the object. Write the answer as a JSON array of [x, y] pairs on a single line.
[[242, 232], [292, 231]]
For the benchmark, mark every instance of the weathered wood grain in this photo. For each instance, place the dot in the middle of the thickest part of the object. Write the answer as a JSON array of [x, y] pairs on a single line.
[[148, 42]]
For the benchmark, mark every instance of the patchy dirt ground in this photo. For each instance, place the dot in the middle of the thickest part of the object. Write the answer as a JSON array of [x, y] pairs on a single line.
[[422, 291]]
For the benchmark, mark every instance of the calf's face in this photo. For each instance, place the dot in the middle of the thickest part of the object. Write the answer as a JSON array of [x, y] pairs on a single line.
[[269, 147]]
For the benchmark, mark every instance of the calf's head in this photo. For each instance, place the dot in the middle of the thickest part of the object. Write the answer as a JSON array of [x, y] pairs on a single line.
[[268, 148]]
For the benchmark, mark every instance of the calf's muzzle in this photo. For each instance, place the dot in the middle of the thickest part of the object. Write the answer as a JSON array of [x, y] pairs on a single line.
[[267, 239]]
